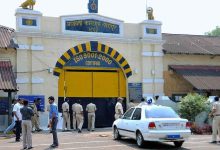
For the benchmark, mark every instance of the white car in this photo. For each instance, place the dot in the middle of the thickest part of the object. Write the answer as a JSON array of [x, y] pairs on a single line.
[[152, 123]]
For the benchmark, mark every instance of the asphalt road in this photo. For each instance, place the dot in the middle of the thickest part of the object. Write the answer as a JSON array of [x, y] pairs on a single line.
[[101, 139]]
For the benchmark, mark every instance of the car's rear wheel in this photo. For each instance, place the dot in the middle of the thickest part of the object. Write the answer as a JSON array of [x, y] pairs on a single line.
[[116, 134], [139, 139], [178, 143]]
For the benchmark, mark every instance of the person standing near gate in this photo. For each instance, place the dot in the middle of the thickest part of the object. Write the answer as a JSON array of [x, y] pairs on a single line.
[[143, 102], [74, 116], [79, 116], [91, 108], [131, 104], [118, 108], [53, 116], [27, 113], [216, 120], [35, 118], [17, 119], [66, 115], [9, 128]]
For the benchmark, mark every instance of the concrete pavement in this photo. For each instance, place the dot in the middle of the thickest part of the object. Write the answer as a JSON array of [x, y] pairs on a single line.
[[101, 139]]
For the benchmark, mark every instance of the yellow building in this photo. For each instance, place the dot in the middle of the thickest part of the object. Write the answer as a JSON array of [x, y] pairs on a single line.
[[8, 85], [88, 57], [191, 64]]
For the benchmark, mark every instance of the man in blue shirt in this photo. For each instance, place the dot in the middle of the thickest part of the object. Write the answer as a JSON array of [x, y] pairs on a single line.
[[53, 116]]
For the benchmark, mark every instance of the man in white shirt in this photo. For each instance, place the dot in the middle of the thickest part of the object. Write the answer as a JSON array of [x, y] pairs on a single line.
[[79, 116], [66, 115], [74, 116], [143, 102], [131, 104], [118, 108], [18, 118], [216, 120], [91, 108]]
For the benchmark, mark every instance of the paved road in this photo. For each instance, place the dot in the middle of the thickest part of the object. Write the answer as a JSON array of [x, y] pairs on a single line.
[[102, 140]]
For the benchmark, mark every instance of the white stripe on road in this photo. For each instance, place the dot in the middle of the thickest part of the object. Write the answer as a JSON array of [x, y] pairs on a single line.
[[98, 147], [208, 146], [60, 144]]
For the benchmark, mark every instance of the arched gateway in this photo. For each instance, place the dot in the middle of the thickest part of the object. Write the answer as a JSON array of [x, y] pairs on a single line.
[[93, 72]]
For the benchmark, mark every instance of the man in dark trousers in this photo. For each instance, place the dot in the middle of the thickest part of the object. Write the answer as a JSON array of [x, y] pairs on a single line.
[[18, 118], [53, 116], [27, 113]]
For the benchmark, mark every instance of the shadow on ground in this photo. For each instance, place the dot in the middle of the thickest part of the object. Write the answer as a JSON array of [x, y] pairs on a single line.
[[150, 145]]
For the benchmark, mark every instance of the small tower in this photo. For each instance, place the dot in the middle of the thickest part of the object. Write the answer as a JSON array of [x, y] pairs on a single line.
[[93, 6]]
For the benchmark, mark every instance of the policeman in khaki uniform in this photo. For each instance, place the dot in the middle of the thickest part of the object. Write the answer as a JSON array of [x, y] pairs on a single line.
[[35, 119], [79, 117], [118, 108], [216, 120], [66, 115], [131, 104], [74, 116], [91, 108]]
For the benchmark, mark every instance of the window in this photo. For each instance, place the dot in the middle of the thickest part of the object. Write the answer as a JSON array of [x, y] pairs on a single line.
[[128, 114], [137, 114], [178, 97], [161, 112], [151, 31]]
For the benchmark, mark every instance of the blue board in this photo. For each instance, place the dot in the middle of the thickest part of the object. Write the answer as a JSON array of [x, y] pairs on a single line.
[[31, 99], [135, 91], [4, 106]]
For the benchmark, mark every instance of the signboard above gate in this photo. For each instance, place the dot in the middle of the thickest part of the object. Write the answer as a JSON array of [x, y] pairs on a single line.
[[91, 24], [92, 60]]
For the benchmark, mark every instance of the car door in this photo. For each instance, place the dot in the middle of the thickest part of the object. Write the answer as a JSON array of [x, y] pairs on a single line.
[[123, 128], [134, 123]]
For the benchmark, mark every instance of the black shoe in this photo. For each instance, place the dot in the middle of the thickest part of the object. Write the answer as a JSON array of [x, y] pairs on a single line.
[[93, 130], [213, 142], [17, 140], [30, 147], [39, 130], [79, 131], [25, 148], [88, 129], [53, 146], [51, 131]]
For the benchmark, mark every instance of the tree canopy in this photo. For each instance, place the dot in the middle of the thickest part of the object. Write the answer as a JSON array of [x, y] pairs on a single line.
[[191, 105], [214, 32]]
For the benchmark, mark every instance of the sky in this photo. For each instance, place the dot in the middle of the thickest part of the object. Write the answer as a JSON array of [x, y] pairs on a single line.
[[177, 16]]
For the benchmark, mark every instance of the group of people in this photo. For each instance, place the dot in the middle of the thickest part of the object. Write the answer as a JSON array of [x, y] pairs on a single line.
[[22, 117], [26, 119], [78, 117]]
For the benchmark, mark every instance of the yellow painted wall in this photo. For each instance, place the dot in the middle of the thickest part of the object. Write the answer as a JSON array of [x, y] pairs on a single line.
[[190, 60], [55, 43], [176, 84]]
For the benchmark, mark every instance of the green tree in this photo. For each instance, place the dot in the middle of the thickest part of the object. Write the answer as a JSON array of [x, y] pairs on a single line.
[[214, 32], [191, 105]]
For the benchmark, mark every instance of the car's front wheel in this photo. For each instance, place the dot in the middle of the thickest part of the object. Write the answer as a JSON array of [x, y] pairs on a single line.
[[178, 143], [116, 134], [139, 139]]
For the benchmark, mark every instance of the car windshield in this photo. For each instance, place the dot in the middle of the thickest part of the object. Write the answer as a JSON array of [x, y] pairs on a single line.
[[160, 112]]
